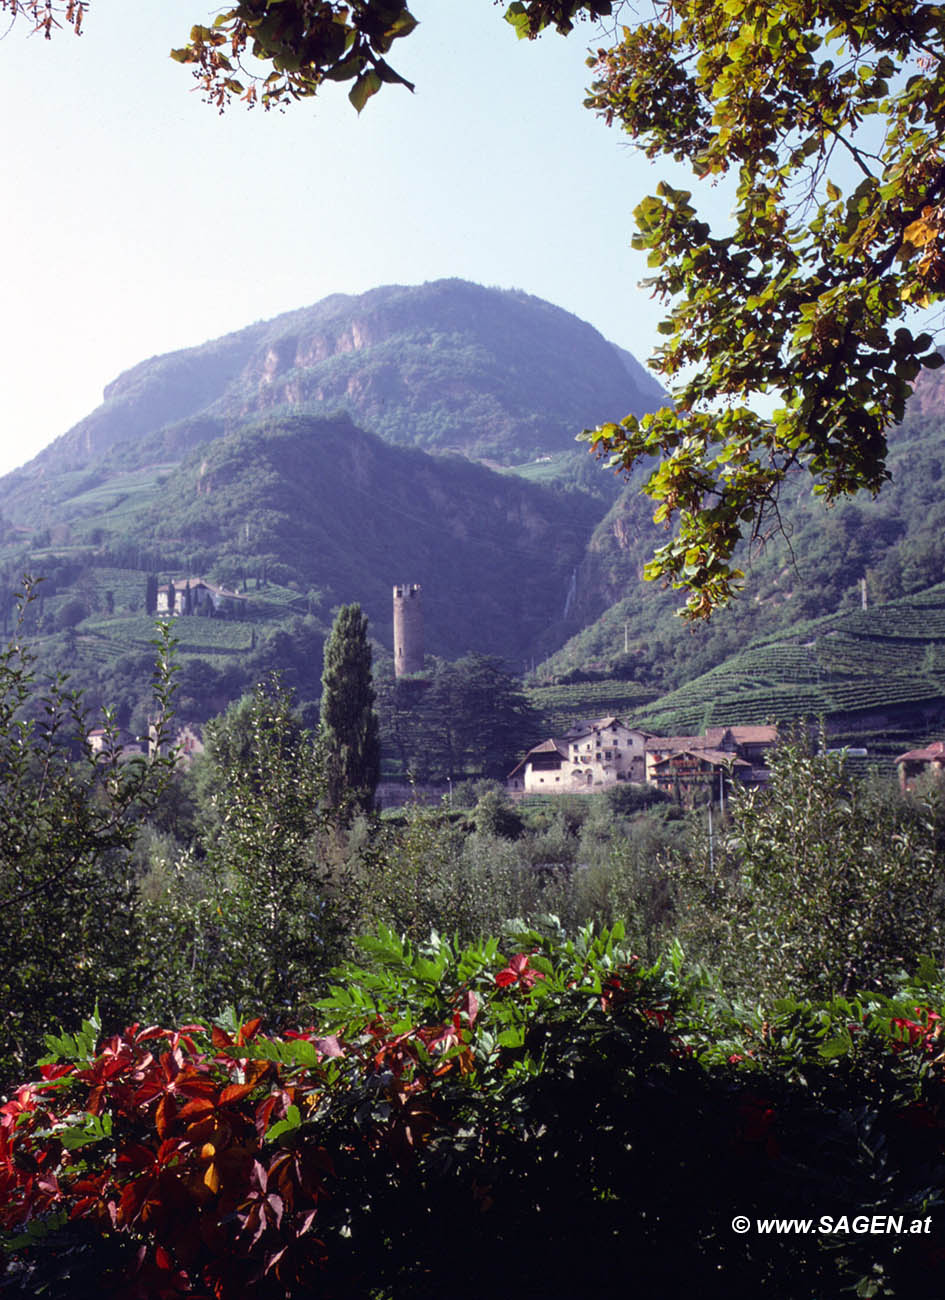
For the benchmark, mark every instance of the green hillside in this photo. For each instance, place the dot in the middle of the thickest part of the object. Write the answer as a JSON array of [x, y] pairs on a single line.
[[219, 463], [300, 514], [877, 676], [812, 565]]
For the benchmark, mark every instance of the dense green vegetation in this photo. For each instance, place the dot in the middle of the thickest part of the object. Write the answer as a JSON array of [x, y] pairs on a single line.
[[625, 982], [271, 513], [459, 719], [348, 733], [521, 1108], [801, 645]]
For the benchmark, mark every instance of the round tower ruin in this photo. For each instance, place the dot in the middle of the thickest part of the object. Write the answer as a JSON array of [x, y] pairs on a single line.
[[408, 629]]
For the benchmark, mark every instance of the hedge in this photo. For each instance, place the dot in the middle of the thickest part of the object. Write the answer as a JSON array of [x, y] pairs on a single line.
[[544, 1115]]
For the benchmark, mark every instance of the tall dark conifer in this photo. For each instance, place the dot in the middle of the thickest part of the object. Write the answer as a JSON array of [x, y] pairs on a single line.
[[348, 732]]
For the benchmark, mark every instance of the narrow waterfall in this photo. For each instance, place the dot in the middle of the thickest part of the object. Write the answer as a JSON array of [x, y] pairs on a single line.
[[572, 593]]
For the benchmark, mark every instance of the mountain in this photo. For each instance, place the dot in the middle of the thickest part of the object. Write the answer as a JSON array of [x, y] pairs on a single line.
[[248, 462], [319, 458], [447, 365]]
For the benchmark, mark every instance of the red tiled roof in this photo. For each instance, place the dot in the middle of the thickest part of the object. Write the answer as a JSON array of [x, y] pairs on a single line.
[[747, 735], [928, 755]]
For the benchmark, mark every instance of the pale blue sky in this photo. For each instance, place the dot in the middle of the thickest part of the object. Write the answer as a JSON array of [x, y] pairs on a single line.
[[136, 220]]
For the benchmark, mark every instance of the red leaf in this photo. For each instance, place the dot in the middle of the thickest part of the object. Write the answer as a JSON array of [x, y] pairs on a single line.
[[470, 1005], [248, 1031], [199, 1106], [154, 1031], [235, 1092], [165, 1114]]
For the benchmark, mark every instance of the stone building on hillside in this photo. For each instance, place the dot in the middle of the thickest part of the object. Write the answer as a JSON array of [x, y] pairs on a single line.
[[196, 596], [589, 756], [604, 752], [695, 771], [185, 737], [541, 771], [681, 764], [408, 629]]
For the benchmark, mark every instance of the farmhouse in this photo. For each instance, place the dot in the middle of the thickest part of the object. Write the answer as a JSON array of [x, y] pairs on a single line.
[[120, 744], [913, 764], [597, 754], [687, 772], [196, 596], [680, 764]]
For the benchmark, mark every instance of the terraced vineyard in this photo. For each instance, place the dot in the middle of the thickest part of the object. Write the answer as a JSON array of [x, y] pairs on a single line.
[[561, 706], [868, 661]]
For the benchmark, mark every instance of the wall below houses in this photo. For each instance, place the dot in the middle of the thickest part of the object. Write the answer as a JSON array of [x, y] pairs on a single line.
[[394, 794]]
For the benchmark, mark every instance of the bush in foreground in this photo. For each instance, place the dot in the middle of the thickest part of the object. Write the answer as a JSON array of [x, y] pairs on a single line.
[[543, 1114]]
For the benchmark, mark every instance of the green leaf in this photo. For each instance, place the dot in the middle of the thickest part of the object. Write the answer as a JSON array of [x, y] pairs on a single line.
[[293, 1120], [368, 84]]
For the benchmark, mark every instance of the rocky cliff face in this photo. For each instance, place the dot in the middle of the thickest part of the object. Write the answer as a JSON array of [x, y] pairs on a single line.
[[928, 395], [446, 365]]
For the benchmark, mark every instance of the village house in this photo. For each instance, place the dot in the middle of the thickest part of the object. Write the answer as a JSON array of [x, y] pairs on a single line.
[[196, 596], [913, 764], [589, 756], [598, 754], [128, 746], [605, 751], [682, 765], [693, 770], [186, 738]]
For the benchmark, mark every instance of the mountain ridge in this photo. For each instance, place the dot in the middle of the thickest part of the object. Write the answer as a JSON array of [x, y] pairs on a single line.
[[370, 354]]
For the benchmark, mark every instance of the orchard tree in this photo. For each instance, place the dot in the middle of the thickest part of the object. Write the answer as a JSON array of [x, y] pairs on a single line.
[[348, 733], [68, 820], [802, 297], [261, 798]]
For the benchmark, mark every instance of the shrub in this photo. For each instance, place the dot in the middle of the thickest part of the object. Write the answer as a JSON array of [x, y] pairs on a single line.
[[529, 1113]]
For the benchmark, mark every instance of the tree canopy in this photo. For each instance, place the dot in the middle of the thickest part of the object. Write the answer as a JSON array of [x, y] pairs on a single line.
[[348, 731], [802, 297]]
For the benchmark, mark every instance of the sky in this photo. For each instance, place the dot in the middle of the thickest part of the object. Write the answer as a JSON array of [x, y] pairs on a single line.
[[135, 219]]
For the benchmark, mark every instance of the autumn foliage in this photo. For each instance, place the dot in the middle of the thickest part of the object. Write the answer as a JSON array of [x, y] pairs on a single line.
[[527, 1112]]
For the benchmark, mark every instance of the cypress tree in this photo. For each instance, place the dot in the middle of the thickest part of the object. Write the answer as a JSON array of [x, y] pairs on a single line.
[[349, 737]]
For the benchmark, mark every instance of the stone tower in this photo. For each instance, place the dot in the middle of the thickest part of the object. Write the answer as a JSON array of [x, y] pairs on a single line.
[[408, 629]]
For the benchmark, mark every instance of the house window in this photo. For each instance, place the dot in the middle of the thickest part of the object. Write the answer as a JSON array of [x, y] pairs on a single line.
[[607, 754]]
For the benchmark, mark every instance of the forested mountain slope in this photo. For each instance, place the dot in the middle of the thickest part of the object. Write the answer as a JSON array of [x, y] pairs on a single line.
[[813, 565]]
